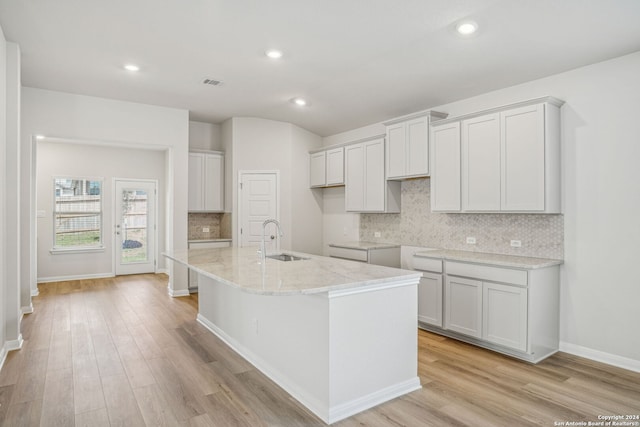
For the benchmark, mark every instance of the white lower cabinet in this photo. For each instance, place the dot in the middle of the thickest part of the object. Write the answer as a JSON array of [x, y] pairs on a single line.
[[463, 302], [504, 315], [430, 299], [510, 310]]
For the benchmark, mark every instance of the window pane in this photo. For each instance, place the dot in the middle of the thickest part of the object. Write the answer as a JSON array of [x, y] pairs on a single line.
[[134, 226], [77, 230], [78, 212]]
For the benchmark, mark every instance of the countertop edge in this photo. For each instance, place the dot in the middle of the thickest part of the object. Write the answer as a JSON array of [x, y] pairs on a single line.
[[491, 260]]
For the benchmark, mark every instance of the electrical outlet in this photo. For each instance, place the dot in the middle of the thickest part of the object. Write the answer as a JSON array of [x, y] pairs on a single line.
[[376, 234], [516, 243], [471, 240], [205, 229]]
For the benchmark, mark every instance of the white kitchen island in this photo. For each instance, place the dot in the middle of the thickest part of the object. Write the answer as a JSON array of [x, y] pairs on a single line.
[[339, 336]]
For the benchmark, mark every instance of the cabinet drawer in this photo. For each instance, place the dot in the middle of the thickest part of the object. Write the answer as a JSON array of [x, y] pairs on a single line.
[[347, 253], [427, 264], [485, 272]]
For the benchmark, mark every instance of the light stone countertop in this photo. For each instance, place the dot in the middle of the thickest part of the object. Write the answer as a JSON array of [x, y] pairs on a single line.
[[364, 245], [241, 267], [527, 263], [208, 240]]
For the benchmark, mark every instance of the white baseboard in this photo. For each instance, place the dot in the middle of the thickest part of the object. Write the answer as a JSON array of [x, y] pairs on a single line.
[[9, 346], [27, 309], [601, 356], [76, 277], [177, 293], [35, 292], [163, 271]]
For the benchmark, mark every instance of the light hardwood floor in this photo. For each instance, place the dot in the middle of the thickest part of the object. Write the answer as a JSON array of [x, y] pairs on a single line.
[[121, 352]]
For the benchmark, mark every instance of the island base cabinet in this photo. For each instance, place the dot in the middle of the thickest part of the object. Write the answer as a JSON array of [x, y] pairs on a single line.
[[338, 353], [430, 299], [505, 315], [464, 306]]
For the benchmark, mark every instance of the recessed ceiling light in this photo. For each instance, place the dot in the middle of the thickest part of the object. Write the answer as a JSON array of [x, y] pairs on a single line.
[[466, 28], [131, 67], [39, 136], [274, 54], [299, 102]]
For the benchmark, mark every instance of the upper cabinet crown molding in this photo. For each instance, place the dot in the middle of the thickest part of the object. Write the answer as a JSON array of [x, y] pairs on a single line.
[[434, 115], [346, 144], [542, 100], [407, 148]]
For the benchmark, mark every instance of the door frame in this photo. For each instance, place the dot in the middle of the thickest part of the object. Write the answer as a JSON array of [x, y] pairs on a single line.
[[114, 215], [241, 174]]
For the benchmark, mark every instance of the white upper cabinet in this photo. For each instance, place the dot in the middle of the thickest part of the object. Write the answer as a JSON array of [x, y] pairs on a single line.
[[522, 132], [366, 189], [317, 169], [407, 151], [206, 182], [481, 163], [326, 168], [445, 168], [510, 159]]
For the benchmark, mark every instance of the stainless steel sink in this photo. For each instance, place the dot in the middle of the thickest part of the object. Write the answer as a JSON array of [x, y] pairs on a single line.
[[286, 257]]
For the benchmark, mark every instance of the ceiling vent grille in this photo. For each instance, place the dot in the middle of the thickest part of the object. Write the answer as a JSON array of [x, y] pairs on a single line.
[[211, 82]]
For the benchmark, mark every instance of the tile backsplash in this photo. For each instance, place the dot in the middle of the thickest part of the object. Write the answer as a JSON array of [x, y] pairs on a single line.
[[198, 221], [541, 235]]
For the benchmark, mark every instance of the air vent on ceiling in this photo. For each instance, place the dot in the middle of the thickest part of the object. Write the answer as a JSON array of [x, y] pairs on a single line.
[[211, 82]]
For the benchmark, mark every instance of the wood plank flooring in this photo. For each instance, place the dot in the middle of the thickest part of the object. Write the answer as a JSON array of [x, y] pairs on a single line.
[[121, 352]]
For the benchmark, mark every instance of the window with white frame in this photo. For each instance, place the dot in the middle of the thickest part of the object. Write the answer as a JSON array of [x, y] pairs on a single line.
[[77, 213]]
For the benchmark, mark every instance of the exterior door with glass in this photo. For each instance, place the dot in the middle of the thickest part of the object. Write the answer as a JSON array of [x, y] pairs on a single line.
[[135, 226]]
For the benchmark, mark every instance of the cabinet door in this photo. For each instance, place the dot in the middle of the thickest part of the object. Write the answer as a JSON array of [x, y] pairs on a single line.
[[317, 169], [354, 179], [445, 168], [417, 157], [463, 307], [335, 166], [374, 181], [430, 299], [505, 315], [522, 135], [396, 150], [481, 163], [213, 182], [196, 191]]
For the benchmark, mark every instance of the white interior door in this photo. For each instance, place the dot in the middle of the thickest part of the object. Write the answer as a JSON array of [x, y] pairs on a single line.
[[258, 201], [135, 227]]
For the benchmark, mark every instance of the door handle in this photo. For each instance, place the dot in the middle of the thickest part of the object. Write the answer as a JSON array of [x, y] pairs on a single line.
[[273, 237]]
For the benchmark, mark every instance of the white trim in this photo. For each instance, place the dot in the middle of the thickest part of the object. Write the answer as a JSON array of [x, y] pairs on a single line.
[[601, 356], [162, 271], [55, 251], [28, 309], [75, 277], [345, 410], [14, 344], [328, 415], [3, 356], [35, 292], [177, 293]]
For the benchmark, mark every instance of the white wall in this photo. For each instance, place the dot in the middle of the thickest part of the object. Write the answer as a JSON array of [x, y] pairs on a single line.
[[600, 128], [261, 144], [58, 159], [85, 118], [205, 136]]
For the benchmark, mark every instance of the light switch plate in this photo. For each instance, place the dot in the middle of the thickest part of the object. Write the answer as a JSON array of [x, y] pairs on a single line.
[[205, 229], [516, 243], [376, 234], [471, 240]]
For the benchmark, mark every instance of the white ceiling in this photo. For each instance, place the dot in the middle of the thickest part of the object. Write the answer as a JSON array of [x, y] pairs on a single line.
[[356, 61]]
